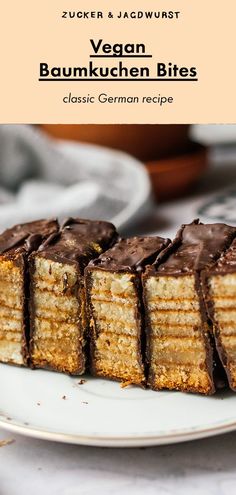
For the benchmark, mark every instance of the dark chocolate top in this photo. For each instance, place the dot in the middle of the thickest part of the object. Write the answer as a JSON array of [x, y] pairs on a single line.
[[227, 262], [131, 254], [196, 247], [79, 240], [27, 236]]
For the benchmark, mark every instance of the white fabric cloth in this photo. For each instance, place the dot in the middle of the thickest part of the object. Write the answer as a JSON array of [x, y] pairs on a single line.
[[40, 177]]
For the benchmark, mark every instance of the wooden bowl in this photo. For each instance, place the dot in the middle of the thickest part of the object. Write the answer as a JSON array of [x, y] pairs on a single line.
[[172, 177], [145, 142]]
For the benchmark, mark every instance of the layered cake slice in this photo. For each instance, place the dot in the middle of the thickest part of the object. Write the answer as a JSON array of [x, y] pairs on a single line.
[[57, 300], [15, 246], [220, 288], [179, 335], [114, 301]]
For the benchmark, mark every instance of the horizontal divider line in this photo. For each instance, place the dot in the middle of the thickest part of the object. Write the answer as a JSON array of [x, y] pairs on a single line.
[[170, 310], [172, 299], [109, 295], [107, 355], [230, 297], [175, 325], [169, 336], [56, 338], [44, 79], [55, 293], [230, 335], [113, 334], [52, 319], [120, 56], [99, 319], [112, 302], [225, 309], [4, 316], [170, 364]]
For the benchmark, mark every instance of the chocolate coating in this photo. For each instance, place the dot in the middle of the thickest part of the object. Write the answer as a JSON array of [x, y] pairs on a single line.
[[79, 241], [27, 236], [196, 247], [131, 254]]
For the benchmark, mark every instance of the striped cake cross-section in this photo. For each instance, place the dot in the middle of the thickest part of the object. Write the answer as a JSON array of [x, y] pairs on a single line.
[[16, 244], [180, 344], [57, 295], [114, 302], [220, 289]]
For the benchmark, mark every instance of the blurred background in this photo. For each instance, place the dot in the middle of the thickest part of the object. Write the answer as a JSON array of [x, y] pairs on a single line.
[[145, 178]]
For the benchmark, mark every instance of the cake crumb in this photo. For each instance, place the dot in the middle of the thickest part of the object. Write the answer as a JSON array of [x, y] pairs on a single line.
[[81, 382], [64, 397], [3, 443], [38, 404], [125, 384], [84, 402]]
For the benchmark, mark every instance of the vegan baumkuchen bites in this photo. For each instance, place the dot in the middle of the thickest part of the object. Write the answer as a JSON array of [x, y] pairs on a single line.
[[220, 289], [179, 334], [113, 286], [15, 246], [57, 295]]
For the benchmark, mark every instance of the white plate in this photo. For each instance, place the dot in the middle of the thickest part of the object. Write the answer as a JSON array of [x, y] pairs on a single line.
[[101, 413]]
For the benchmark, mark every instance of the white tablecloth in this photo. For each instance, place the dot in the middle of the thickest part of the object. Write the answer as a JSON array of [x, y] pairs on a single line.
[[205, 467]]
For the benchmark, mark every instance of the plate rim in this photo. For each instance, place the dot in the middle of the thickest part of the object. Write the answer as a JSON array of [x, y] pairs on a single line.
[[128, 441]]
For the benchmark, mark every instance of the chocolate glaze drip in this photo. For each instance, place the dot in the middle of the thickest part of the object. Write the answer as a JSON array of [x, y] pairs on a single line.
[[196, 247], [131, 254], [79, 240], [27, 236], [48, 241]]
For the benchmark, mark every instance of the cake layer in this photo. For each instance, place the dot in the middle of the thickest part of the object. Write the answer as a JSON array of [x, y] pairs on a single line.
[[122, 345], [181, 351], [115, 308], [179, 344], [56, 343], [15, 246], [220, 286], [116, 369], [11, 352], [179, 377], [175, 335], [58, 319]]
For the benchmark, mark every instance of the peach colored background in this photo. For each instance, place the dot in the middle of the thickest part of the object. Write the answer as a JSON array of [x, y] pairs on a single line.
[[33, 32]]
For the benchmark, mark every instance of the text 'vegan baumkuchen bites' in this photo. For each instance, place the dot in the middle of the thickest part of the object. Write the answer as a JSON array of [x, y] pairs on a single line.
[[113, 286], [15, 246], [57, 300], [179, 340], [220, 289]]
